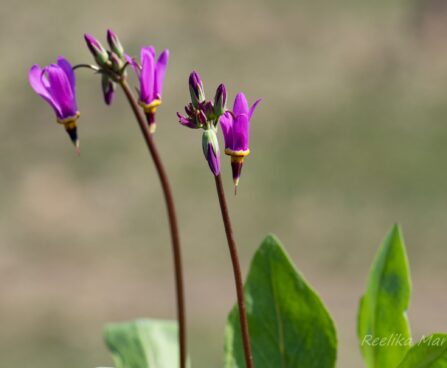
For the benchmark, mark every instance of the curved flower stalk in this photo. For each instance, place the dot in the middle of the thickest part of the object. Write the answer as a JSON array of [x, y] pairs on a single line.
[[236, 131], [112, 64], [205, 115], [56, 84], [151, 74]]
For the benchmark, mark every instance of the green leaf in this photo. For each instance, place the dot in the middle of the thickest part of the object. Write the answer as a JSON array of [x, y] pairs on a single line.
[[429, 352], [383, 327], [143, 344], [289, 325]]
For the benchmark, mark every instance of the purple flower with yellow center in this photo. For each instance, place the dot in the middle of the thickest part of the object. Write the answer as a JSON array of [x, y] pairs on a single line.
[[236, 131], [151, 74], [56, 84]]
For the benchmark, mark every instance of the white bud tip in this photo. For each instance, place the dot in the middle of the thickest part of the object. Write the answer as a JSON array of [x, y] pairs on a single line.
[[77, 147]]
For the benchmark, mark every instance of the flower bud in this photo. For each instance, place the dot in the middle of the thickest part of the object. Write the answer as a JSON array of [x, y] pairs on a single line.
[[117, 63], [210, 147], [196, 89], [220, 100], [108, 89], [115, 44], [208, 109], [201, 118], [99, 53]]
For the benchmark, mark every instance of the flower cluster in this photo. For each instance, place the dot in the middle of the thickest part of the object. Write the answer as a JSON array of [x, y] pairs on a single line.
[[111, 62], [149, 71], [204, 114], [56, 83], [235, 124]]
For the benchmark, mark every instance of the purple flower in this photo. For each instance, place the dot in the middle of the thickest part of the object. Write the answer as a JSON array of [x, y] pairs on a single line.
[[236, 131], [56, 84], [151, 74]]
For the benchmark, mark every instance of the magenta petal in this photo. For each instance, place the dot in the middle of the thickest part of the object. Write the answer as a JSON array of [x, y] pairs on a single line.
[[36, 78], [147, 50], [60, 90], [253, 108], [147, 77], [67, 68], [226, 123], [185, 121], [133, 63], [241, 133], [240, 104], [160, 71]]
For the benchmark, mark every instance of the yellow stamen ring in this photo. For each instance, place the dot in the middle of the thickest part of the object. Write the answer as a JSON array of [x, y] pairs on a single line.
[[70, 122], [235, 154], [150, 108]]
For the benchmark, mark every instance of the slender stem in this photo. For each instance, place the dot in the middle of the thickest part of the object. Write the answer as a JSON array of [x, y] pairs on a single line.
[[237, 272], [181, 314]]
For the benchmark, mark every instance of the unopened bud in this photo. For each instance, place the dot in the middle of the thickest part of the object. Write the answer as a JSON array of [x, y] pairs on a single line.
[[220, 100], [196, 89], [108, 89], [210, 147], [115, 44], [99, 53]]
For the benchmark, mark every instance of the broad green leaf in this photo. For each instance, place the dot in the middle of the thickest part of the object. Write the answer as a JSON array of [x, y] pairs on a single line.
[[289, 325], [143, 344], [429, 352], [383, 327]]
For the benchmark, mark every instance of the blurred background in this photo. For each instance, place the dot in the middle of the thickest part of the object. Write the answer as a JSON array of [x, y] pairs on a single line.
[[350, 138]]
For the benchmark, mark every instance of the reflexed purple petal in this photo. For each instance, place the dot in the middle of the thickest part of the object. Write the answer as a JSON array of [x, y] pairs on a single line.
[[147, 50], [253, 108], [213, 160], [185, 121], [134, 64], [60, 90], [226, 123], [240, 104], [36, 78], [241, 133], [67, 68], [147, 77], [160, 71]]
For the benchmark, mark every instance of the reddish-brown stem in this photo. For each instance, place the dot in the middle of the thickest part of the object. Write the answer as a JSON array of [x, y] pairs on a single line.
[[176, 251], [237, 272]]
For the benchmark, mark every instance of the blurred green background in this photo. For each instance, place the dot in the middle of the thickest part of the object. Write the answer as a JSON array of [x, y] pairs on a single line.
[[350, 138]]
